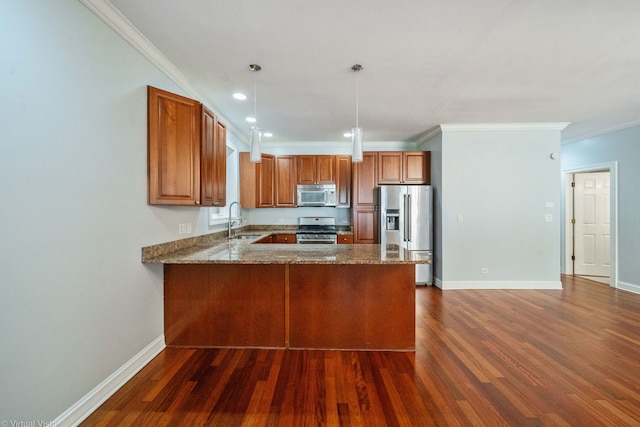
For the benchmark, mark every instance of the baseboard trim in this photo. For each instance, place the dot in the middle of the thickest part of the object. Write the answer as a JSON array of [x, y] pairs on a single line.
[[96, 397], [506, 284], [437, 282], [629, 287]]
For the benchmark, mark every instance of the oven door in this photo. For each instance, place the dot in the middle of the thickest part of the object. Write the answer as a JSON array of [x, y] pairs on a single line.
[[316, 239]]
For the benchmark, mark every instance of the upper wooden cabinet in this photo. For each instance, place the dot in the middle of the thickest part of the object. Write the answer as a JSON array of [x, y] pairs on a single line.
[[343, 181], [365, 181], [285, 181], [186, 152], [173, 148], [213, 163], [404, 167], [317, 169], [257, 181]]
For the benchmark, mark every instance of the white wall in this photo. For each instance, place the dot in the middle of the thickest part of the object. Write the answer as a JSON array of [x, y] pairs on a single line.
[[76, 301], [435, 146], [622, 146], [500, 182]]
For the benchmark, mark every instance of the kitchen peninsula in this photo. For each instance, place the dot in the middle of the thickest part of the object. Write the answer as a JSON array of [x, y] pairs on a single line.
[[239, 293]]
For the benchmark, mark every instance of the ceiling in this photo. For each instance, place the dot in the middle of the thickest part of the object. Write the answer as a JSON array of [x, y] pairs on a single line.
[[426, 62]]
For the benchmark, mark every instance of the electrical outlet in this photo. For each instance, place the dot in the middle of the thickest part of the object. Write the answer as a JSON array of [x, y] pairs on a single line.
[[548, 218], [484, 270]]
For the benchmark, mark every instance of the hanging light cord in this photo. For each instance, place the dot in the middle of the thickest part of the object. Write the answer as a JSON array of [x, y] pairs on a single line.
[[254, 68], [255, 96], [355, 69], [357, 99]]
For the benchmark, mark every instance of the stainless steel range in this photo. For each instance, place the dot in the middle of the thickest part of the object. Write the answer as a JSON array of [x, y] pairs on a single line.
[[316, 230]]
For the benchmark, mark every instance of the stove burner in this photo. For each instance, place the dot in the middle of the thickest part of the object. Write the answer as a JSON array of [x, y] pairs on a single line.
[[316, 230]]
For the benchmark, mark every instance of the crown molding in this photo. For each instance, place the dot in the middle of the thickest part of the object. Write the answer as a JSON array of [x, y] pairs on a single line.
[[601, 132], [311, 147], [434, 131], [481, 127], [115, 20]]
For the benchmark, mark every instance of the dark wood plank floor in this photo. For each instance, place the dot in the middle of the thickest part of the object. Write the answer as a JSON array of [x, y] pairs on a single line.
[[483, 358]]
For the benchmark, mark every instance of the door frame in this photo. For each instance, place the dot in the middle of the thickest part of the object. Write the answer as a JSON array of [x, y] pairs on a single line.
[[567, 214]]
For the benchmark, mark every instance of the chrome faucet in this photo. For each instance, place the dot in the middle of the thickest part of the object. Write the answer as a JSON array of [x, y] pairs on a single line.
[[232, 221]]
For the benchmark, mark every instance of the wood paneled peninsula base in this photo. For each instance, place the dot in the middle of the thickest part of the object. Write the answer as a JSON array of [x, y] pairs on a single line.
[[238, 293]]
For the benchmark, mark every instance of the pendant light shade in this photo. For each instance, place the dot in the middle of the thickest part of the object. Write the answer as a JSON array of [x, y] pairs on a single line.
[[256, 133], [356, 145], [254, 144], [356, 132]]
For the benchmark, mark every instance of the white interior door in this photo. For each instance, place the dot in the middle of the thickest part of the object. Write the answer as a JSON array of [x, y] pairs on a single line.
[[592, 215]]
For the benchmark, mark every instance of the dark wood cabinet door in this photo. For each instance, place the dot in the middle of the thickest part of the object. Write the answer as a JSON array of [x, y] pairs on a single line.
[[306, 169], [213, 161], [365, 181], [365, 225], [390, 167], [207, 157], [173, 148], [219, 197], [265, 173], [345, 239], [316, 169], [416, 167], [325, 169], [285, 180], [343, 181], [284, 238]]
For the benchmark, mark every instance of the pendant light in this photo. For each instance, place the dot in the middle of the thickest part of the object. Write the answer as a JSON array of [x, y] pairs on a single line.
[[256, 132], [356, 132]]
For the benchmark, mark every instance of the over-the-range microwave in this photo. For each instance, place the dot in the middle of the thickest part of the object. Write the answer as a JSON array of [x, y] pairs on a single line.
[[317, 195]]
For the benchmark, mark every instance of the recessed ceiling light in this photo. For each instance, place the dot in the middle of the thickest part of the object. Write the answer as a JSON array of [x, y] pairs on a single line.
[[240, 96], [267, 134], [251, 119], [347, 135]]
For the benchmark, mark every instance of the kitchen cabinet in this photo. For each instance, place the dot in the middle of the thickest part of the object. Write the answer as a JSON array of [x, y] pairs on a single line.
[[284, 238], [173, 148], [257, 181], [343, 181], [316, 169], [365, 199], [404, 167], [278, 238], [213, 169], [285, 181], [345, 239], [186, 152], [266, 239]]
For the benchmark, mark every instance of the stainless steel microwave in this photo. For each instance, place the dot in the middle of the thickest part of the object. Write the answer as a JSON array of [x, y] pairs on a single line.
[[317, 195]]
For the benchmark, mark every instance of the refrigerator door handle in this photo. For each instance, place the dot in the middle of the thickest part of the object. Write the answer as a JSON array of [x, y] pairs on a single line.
[[407, 217]]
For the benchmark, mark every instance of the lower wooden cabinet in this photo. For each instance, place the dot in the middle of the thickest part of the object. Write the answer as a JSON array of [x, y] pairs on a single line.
[[278, 238], [365, 225], [345, 239], [284, 238]]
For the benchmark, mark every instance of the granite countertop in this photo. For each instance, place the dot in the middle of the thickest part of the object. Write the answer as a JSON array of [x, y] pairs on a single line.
[[217, 249]]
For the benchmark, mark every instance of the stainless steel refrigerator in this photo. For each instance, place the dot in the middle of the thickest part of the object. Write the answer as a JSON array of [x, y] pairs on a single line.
[[406, 221]]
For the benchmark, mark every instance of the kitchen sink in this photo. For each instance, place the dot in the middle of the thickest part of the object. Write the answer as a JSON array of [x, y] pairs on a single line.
[[246, 236]]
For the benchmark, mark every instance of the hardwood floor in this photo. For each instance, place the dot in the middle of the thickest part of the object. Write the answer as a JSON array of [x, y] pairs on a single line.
[[483, 358]]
